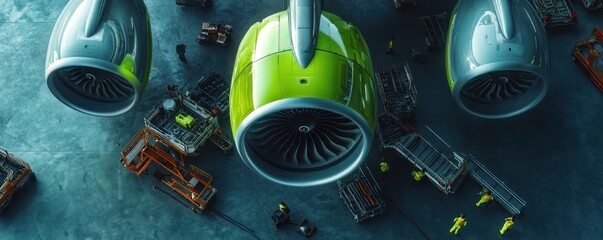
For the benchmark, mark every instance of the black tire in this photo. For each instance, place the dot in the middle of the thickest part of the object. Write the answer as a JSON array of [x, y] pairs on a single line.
[[573, 57]]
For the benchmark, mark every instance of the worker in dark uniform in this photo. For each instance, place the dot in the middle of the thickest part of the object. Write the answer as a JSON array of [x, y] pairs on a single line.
[[281, 216], [390, 47], [283, 207], [180, 50]]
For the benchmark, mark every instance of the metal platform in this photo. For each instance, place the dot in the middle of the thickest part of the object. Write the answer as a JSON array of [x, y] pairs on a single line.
[[398, 92], [212, 92], [592, 4], [445, 169], [503, 194], [162, 121], [391, 129], [362, 195], [435, 28], [556, 12]]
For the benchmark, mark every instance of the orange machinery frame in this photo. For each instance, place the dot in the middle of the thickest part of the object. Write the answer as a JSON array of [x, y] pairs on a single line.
[[194, 185], [12, 183], [587, 61]]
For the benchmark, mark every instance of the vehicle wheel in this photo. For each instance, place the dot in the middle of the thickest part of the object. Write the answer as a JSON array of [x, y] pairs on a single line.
[[573, 57]]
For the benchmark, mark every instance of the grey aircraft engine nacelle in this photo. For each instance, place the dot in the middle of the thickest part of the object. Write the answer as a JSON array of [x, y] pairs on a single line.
[[497, 58], [99, 55]]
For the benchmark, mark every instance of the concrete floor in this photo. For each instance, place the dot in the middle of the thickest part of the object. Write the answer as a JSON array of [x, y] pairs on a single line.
[[551, 156]]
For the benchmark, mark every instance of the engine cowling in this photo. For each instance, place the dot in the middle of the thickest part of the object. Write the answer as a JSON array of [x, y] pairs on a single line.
[[497, 58], [99, 55], [303, 118]]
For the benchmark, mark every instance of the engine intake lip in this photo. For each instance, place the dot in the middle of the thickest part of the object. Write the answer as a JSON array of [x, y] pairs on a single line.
[[69, 94], [259, 159], [508, 106]]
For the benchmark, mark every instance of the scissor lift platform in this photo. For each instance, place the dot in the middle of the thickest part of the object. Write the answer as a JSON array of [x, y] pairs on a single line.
[[163, 121], [362, 195], [192, 184]]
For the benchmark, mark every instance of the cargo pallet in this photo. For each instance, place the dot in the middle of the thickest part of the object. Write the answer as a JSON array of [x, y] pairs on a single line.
[[362, 195]]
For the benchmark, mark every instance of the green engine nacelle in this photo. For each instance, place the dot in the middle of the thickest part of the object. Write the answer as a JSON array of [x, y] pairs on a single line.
[[303, 126]]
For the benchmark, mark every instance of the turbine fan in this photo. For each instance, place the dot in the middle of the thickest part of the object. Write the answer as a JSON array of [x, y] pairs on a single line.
[[97, 84], [303, 138], [496, 87]]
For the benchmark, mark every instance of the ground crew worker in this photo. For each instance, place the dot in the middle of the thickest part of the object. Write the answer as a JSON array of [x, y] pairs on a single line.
[[417, 175], [458, 223], [281, 216], [390, 48], [283, 208], [180, 50], [383, 166], [508, 224], [484, 199]]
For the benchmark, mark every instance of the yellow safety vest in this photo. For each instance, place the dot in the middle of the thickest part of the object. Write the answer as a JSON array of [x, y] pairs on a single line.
[[417, 175], [459, 221], [391, 44], [487, 197], [384, 166], [508, 222]]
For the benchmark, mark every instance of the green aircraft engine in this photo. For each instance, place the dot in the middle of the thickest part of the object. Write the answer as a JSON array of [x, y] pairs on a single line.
[[302, 100]]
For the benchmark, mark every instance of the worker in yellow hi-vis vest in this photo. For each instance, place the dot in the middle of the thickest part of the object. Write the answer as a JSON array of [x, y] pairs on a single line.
[[458, 223], [383, 166], [508, 224], [417, 176], [486, 197], [390, 46]]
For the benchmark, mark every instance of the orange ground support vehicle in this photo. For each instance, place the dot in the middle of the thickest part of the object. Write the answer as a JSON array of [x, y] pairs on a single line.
[[15, 173], [588, 53], [191, 184]]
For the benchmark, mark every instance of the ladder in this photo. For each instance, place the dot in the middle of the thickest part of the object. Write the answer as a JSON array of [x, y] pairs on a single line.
[[444, 172], [503, 194]]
